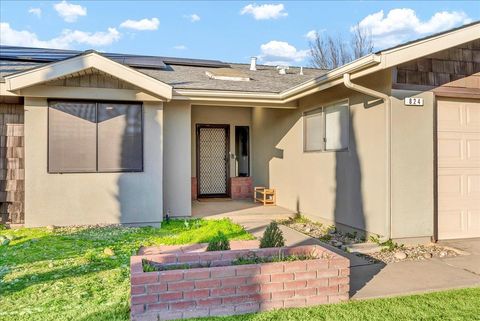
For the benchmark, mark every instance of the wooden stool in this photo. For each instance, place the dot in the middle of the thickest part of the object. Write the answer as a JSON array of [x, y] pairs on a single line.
[[264, 195]]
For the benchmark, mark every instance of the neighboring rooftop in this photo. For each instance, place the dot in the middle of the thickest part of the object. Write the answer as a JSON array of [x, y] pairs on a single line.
[[180, 73]]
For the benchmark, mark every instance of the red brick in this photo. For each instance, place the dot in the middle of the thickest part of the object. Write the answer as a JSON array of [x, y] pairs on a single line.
[[147, 316], [144, 299], [272, 268], [338, 280], [317, 299], [306, 292], [305, 275], [182, 305], [137, 289], [327, 273], [317, 283], [234, 281], [239, 299], [196, 294], [283, 295], [271, 287], [208, 284], [137, 308], [196, 275], [170, 276], [157, 307], [171, 296], [223, 272], [222, 310], [247, 308], [248, 270], [258, 279], [265, 306], [169, 315], [248, 289], [297, 266], [156, 288], [222, 292], [281, 277], [181, 286], [295, 303], [344, 272], [209, 302], [317, 265], [337, 298], [342, 288], [295, 285], [232, 255], [197, 313], [327, 290], [338, 263], [192, 258], [148, 277], [165, 259]]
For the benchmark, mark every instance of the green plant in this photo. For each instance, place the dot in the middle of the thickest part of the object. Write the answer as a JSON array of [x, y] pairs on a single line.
[[272, 237], [219, 242], [147, 267], [186, 224], [325, 238], [2, 227], [388, 245], [252, 258]]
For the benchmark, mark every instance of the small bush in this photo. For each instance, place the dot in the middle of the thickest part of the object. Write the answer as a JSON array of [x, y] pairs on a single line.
[[219, 243], [273, 237]]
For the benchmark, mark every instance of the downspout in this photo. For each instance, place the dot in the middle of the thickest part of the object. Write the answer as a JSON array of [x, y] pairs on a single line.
[[386, 99]]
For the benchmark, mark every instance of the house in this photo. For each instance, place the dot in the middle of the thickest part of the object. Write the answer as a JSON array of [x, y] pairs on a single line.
[[387, 144]]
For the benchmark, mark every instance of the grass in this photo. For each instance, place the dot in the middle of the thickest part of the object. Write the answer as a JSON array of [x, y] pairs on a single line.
[[65, 275], [456, 305]]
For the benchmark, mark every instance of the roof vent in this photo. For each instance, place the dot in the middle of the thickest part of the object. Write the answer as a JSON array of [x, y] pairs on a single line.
[[282, 70], [227, 74], [253, 63]]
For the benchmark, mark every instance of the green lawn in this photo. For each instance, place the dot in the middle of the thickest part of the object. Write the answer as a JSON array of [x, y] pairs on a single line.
[[64, 275]]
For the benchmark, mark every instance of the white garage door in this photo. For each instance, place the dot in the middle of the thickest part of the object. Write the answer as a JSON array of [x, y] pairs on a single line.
[[458, 168]]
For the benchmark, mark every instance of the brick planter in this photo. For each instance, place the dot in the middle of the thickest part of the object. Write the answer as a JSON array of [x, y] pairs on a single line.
[[235, 289]]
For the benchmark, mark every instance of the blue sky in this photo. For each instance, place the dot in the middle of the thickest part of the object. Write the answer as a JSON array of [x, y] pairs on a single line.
[[276, 32]]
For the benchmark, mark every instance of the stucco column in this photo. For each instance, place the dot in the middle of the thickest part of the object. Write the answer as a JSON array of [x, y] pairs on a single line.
[[177, 159]]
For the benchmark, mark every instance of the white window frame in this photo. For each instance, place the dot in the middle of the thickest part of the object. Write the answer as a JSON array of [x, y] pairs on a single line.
[[321, 110]]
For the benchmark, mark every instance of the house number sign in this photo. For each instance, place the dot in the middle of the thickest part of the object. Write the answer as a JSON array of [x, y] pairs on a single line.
[[413, 101]]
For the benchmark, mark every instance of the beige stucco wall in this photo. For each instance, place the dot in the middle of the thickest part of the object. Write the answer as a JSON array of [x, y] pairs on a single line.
[[235, 116], [177, 147], [346, 187], [91, 198], [412, 166]]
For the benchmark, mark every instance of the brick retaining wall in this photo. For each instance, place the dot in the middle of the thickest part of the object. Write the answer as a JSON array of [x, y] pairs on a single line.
[[235, 289]]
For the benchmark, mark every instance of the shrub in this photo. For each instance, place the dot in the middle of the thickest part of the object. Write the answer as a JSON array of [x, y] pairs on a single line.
[[273, 237], [219, 243]]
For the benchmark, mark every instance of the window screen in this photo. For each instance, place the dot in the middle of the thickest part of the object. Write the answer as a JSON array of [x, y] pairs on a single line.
[[313, 131], [336, 127], [119, 137], [95, 137], [72, 137], [327, 128]]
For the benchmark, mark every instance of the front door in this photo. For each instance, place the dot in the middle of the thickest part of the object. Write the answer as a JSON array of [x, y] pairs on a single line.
[[213, 160]]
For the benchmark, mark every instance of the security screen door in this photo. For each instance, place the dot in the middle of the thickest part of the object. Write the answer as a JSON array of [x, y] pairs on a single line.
[[212, 160]]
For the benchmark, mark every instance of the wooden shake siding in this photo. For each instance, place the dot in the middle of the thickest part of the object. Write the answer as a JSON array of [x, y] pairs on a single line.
[[12, 165], [457, 67]]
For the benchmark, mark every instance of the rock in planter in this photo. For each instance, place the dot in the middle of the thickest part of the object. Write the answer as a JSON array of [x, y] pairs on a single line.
[[108, 251], [427, 255], [443, 254], [400, 255]]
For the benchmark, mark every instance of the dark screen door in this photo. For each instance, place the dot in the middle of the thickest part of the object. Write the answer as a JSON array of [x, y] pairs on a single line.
[[212, 160]]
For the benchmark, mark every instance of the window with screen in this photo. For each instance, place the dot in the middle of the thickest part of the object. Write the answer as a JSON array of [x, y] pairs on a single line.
[[94, 137], [326, 128]]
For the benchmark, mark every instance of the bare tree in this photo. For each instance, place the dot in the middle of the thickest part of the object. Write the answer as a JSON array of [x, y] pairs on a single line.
[[327, 52]]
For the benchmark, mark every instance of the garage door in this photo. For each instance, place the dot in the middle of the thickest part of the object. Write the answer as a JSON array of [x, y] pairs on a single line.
[[458, 168]]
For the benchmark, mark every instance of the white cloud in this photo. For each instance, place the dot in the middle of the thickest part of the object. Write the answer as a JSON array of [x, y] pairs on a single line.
[[265, 11], [311, 35], [144, 24], [192, 17], [401, 25], [180, 47], [66, 39], [70, 12], [281, 53], [35, 11]]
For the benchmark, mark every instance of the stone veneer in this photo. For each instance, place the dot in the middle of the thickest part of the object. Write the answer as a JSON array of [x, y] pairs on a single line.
[[223, 289]]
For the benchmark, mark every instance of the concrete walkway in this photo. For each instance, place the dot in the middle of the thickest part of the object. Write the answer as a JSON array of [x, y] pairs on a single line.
[[380, 280]]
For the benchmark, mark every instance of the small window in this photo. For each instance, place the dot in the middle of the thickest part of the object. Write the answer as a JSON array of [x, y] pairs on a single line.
[[94, 137], [327, 128]]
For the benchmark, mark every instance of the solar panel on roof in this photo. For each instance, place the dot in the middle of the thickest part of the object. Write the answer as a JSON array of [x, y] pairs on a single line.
[[139, 61]]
